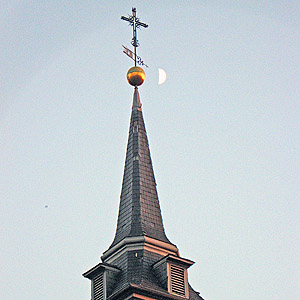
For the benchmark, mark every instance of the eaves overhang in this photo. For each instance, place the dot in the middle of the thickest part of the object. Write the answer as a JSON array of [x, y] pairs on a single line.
[[90, 274], [139, 290], [178, 260]]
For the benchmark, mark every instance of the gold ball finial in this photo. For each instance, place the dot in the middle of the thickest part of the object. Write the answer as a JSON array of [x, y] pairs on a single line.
[[136, 76]]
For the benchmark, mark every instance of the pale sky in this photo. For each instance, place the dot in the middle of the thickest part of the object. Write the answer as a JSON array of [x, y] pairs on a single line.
[[223, 132]]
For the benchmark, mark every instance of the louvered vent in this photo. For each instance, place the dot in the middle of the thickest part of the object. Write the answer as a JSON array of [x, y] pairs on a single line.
[[98, 290], [177, 280]]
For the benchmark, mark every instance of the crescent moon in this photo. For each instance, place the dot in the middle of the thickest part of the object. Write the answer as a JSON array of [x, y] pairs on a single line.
[[162, 76]]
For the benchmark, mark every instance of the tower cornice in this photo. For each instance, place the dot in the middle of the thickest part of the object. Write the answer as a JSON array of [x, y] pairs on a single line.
[[139, 243]]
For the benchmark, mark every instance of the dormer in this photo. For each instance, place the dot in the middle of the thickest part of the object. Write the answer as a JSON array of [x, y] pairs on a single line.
[[103, 278], [171, 272]]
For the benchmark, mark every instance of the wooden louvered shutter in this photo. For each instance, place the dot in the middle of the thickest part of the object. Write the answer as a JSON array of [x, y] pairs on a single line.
[[98, 287], [177, 280]]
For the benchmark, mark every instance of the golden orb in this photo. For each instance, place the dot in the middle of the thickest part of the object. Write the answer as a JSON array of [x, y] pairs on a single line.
[[136, 76]]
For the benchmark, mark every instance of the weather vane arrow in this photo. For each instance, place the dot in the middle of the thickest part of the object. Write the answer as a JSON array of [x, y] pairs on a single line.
[[135, 22]]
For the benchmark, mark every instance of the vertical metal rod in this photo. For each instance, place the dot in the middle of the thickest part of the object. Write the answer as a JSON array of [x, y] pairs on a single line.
[[134, 34]]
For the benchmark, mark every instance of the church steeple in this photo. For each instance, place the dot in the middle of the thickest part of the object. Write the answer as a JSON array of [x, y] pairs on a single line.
[[139, 210], [141, 263]]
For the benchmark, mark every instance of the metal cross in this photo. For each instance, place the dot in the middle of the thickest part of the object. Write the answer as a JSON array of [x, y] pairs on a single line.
[[135, 23]]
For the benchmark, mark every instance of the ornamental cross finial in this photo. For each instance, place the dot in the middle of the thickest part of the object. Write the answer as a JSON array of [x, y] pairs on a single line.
[[135, 22]]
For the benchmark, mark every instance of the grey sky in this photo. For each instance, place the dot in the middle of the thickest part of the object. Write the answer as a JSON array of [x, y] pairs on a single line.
[[223, 133]]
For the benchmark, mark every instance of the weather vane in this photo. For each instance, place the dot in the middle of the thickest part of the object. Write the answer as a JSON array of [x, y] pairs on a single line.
[[134, 21], [135, 75]]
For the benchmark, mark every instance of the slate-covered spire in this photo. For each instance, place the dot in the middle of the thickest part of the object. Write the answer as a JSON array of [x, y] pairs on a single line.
[[141, 263], [139, 210]]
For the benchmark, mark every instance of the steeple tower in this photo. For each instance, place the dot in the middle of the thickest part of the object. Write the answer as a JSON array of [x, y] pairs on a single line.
[[141, 263]]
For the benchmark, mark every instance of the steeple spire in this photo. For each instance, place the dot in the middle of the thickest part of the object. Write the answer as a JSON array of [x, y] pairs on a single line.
[[139, 210], [141, 263]]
